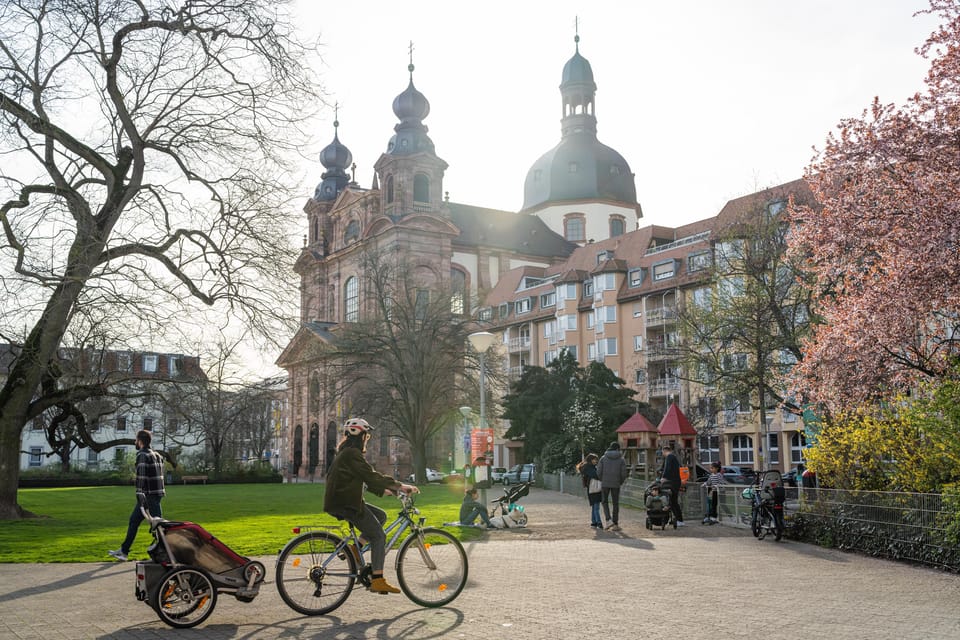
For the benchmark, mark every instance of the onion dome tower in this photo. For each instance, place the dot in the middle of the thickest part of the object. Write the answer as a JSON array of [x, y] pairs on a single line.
[[335, 158]]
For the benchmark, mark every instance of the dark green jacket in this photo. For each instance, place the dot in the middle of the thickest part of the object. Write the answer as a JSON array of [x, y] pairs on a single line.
[[346, 478]]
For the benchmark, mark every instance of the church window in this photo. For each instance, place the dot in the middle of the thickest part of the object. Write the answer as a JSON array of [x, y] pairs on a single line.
[[353, 230], [458, 289], [421, 188], [574, 167], [573, 227], [389, 189], [351, 300], [617, 226]]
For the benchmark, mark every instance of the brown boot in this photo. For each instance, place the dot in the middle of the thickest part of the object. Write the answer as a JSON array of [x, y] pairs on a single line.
[[380, 585]]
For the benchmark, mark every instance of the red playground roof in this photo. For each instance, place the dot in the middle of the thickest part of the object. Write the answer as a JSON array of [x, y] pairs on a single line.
[[635, 424], [675, 423]]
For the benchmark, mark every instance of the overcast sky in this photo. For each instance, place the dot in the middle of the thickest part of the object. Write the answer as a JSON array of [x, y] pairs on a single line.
[[706, 100]]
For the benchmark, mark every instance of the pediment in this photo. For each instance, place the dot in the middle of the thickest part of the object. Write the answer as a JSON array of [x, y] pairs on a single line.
[[306, 344]]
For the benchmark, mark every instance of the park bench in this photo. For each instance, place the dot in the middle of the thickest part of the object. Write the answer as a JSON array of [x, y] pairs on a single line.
[[187, 479]]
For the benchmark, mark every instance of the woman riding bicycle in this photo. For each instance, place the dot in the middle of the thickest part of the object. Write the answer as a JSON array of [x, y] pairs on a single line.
[[343, 497]]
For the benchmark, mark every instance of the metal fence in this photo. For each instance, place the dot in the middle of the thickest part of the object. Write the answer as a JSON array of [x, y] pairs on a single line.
[[904, 526]]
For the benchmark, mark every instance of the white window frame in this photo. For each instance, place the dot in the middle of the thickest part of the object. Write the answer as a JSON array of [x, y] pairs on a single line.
[[798, 442], [741, 449], [523, 305], [773, 447], [151, 363], [548, 300], [637, 343], [36, 457], [664, 270]]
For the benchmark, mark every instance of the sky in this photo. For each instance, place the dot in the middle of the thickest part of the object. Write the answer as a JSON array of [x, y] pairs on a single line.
[[706, 100]]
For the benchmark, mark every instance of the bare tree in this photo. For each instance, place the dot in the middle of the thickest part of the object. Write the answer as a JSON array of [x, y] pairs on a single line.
[[405, 361], [149, 141]]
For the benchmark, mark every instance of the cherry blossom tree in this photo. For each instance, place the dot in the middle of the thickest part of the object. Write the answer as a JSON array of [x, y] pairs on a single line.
[[885, 247]]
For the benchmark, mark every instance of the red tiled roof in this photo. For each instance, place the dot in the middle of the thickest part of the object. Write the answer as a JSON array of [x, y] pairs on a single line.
[[675, 423], [636, 423]]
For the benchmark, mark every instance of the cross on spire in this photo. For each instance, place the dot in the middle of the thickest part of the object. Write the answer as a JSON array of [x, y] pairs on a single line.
[[410, 50]]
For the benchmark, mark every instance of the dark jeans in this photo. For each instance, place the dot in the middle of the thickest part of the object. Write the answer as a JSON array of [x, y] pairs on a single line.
[[153, 506], [614, 493], [712, 497], [675, 504], [477, 511], [370, 525]]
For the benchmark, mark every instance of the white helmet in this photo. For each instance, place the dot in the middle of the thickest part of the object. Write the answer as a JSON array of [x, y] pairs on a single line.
[[356, 427]]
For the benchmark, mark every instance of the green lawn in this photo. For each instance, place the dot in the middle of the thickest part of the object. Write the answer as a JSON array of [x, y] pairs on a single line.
[[79, 524]]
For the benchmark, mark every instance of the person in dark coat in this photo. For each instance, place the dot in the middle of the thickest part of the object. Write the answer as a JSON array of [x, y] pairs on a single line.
[[588, 471], [671, 478], [349, 474], [149, 482], [612, 470]]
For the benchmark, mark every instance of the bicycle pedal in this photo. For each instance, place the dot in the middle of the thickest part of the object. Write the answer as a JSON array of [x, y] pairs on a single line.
[[366, 575]]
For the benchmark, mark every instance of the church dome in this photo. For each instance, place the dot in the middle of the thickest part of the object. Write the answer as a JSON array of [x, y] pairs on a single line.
[[335, 155], [411, 104], [410, 136], [335, 158]]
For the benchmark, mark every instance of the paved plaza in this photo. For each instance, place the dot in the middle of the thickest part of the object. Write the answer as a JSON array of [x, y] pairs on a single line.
[[555, 580]]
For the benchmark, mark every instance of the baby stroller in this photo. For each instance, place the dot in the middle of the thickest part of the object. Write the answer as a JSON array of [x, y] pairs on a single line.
[[511, 514], [658, 511], [187, 568]]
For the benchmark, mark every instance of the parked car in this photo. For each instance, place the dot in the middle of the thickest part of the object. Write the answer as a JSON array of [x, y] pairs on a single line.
[[735, 475], [432, 476], [519, 473], [496, 474]]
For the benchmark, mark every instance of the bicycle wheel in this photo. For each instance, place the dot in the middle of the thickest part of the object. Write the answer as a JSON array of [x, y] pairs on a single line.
[[755, 522], [312, 577], [432, 567], [185, 597]]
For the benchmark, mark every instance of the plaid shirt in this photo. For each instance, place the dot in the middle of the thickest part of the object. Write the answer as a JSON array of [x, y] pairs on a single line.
[[150, 472]]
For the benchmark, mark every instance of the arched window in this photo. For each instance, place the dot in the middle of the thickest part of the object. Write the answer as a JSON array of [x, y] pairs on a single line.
[[617, 226], [351, 300], [458, 292], [574, 227], [389, 189], [352, 232], [421, 188]]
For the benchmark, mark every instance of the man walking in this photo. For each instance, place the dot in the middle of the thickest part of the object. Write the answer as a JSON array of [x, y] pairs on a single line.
[[150, 483], [612, 470], [671, 477]]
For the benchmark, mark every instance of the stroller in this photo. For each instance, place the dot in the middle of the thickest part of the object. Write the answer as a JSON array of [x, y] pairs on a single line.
[[511, 515], [658, 512], [188, 567]]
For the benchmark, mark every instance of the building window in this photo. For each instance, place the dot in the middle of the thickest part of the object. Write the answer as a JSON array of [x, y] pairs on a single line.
[[485, 314], [548, 300], [351, 300], [702, 298], [699, 261], [389, 189], [421, 304], [148, 424], [664, 270], [173, 426], [123, 362], [604, 282], [742, 450], [567, 291], [640, 376], [798, 443], [588, 288], [150, 364], [638, 343], [567, 322], [590, 319], [617, 226], [592, 351], [635, 277], [175, 364], [458, 288], [36, 456], [421, 188], [773, 447], [352, 232], [523, 305], [608, 346], [504, 310], [574, 227], [709, 447], [93, 458], [572, 350], [121, 423]]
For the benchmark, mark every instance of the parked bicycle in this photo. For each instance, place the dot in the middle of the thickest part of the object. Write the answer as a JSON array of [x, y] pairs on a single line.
[[317, 571], [766, 499]]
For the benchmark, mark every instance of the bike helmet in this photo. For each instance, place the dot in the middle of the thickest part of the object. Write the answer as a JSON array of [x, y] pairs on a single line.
[[356, 427]]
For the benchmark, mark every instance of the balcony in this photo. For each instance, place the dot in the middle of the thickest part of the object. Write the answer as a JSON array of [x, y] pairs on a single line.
[[661, 315], [519, 344], [663, 387], [657, 353]]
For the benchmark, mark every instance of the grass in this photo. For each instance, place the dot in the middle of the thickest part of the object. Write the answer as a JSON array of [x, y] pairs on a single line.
[[79, 524]]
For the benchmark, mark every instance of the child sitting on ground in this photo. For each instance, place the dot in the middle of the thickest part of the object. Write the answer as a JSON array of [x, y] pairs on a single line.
[[470, 509]]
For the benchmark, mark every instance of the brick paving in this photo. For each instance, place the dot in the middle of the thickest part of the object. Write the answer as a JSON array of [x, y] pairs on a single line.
[[555, 580]]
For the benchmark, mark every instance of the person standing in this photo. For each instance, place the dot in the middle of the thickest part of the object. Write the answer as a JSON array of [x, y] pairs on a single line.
[[612, 470], [591, 482], [149, 481], [712, 485], [348, 476], [671, 478]]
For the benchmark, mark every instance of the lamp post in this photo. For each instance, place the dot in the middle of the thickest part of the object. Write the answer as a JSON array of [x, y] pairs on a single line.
[[465, 412], [481, 341]]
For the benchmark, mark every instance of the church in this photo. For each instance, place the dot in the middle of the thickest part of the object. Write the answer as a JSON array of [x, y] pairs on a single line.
[[575, 238]]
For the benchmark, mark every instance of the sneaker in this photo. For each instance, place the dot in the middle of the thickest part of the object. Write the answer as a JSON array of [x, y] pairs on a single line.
[[610, 525], [680, 523], [118, 554], [615, 527], [380, 585]]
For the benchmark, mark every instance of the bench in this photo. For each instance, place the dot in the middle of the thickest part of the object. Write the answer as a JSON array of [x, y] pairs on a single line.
[[187, 479]]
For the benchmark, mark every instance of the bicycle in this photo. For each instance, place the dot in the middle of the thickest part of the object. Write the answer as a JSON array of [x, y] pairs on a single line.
[[316, 571]]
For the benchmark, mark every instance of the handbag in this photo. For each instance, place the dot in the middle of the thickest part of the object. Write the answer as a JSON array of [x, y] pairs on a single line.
[[595, 486]]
